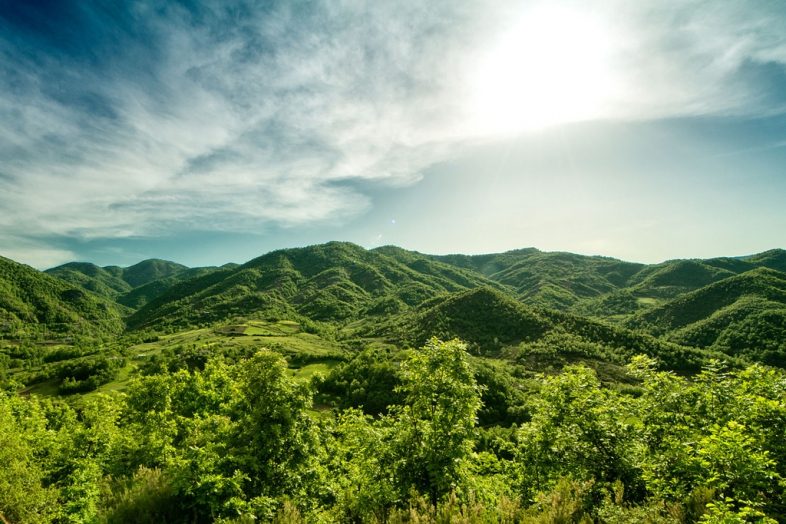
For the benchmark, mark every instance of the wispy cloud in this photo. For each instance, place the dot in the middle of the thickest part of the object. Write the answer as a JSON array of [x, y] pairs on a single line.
[[227, 116]]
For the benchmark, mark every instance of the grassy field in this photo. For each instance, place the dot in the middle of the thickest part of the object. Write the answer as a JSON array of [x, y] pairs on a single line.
[[306, 353]]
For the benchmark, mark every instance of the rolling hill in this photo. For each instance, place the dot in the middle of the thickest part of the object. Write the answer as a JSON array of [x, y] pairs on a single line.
[[489, 321], [30, 299], [114, 281], [744, 315], [732, 305], [555, 280], [133, 286], [336, 281]]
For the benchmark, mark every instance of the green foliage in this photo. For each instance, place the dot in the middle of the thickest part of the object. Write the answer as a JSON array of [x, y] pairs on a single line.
[[239, 440], [369, 381], [434, 429], [578, 430], [148, 497], [35, 304], [24, 497], [230, 422]]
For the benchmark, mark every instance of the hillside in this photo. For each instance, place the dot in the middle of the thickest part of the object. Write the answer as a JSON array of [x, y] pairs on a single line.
[[554, 280], [114, 280], [141, 295], [132, 286], [743, 314], [31, 300], [105, 281], [605, 288], [336, 281], [489, 321], [773, 259]]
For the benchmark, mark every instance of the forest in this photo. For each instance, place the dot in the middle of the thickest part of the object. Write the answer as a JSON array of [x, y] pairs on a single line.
[[338, 384]]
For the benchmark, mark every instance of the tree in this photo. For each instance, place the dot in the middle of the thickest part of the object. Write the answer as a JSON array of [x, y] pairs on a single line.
[[433, 436], [578, 430]]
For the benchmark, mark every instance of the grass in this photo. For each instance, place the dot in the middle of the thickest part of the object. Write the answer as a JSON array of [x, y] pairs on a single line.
[[648, 301], [307, 354], [306, 372]]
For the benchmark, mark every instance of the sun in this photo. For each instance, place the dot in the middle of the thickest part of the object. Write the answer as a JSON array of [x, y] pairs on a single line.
[[553, 66]]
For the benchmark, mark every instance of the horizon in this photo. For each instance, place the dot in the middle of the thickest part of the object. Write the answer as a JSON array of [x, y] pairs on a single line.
[[596, 255], [208, 131]]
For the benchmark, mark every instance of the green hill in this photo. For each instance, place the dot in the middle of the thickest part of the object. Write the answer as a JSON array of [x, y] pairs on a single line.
[[743, 314], [483, 317], [490, 321], [556, 280], [150, 270], [676, 277], [336, 281], [31, 300], [139, 296], [733, 305], [133, 286], [107, 282], [113, 281], [773, 259]]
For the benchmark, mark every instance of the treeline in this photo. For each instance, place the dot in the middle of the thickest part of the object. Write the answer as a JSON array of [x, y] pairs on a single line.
[[227, 440]]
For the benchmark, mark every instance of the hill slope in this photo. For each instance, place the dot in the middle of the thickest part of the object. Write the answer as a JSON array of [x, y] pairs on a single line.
[[30, 299], [490, 320], [107, 282], [336, 281], [133, 286], [743, 314], [555, 280]]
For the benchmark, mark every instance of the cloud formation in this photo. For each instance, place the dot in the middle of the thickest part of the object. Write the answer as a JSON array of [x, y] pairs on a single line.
[[156, 117]]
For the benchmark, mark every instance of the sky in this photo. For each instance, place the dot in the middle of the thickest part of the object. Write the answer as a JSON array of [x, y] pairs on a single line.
[[213, 132]]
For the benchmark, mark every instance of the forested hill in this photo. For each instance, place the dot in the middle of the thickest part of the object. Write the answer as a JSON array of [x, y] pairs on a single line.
[[567, 280], [31, 300], [557, 280], [114, 280], [336, 281], [731, 305], [132, 286]]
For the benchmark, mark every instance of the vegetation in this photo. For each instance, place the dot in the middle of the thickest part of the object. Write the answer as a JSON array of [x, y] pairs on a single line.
[[236, 441], [337, 384], [33, 304]]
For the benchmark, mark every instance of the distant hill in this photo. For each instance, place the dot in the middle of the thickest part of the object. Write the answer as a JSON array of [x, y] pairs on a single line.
[[141, 295], [489, 320], [603, 287], [773, 259], [336, 281], [554, 280], [150, 270], [743, 314], [133, 286], [107, 282], [113, 281], [30, 299], [733, 305]]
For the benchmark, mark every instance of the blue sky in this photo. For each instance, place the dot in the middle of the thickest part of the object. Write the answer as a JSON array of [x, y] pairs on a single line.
[[209, 132]]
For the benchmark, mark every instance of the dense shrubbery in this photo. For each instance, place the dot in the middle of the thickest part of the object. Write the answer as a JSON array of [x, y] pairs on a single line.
[[229, 441]]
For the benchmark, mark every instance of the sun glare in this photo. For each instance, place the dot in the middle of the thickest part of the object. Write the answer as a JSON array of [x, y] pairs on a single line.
[[552, 67]]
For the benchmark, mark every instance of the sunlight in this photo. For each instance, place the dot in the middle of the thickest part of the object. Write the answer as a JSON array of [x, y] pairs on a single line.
[[552, 67]]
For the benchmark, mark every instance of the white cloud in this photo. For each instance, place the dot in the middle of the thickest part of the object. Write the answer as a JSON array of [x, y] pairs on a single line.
[[270, 117]]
